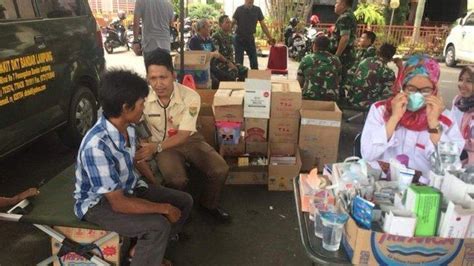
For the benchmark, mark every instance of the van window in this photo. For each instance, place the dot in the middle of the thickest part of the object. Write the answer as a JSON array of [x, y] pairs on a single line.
[[16, 9], [60, 8]]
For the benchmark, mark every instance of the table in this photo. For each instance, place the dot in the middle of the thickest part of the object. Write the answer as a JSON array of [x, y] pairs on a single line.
[[313, 245]]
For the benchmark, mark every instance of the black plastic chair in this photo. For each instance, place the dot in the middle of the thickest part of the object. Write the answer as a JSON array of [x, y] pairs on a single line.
[[356, 146]]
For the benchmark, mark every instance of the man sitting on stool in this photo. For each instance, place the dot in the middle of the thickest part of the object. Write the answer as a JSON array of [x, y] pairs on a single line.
[[171, 111]]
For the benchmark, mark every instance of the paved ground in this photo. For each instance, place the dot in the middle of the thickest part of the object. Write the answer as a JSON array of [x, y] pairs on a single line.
[[264, 231]]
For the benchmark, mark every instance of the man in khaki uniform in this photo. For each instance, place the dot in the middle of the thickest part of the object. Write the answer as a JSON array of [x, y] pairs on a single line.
[[171, 111]]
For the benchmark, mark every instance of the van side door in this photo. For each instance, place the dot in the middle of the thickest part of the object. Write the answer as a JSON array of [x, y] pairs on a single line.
[[22, 55]]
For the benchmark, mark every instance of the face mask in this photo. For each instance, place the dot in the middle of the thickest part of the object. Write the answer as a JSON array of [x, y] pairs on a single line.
[[416, 101]]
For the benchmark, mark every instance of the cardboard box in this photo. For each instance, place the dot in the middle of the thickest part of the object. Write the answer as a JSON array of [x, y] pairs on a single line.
[[286, 99], [206, 125], [284, 130], [424, 202], [280, 177], [400, 223], [456, 222], [234, 85], [207, 96], [257, 98], [227, 105], [228, 132], [319, 133], [365, 247], [248, 175], [110, 249], [256, 130], [259, 74], [260, 148], [196, 63], [230, 150]]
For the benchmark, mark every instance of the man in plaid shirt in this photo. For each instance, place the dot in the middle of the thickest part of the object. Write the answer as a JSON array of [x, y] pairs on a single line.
[[106, 180]]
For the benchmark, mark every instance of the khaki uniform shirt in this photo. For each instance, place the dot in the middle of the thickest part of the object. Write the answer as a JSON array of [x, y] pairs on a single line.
[[180, 114]]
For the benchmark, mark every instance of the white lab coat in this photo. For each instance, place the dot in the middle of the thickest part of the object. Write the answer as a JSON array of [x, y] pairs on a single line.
[[457, 115], [415, 144]]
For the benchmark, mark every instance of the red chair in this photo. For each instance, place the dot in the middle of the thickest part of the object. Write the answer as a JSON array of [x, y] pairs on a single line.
[[278, 59]]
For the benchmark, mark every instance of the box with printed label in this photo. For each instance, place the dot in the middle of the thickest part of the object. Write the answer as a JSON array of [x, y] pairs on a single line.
[[284, 130], [259, 74], [232, 150], [286, 99], [247, 174], [227, 104], [256, 129], [257, 98], [424, 202], [197, 64], [110, 249], [284, 165], [366, 247], [319, 133]]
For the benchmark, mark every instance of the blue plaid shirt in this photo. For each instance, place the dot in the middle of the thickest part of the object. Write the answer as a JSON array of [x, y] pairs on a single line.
[[104, 164]]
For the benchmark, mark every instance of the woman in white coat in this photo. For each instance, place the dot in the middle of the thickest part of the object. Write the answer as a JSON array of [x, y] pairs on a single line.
[[413, 121], [463, 110]]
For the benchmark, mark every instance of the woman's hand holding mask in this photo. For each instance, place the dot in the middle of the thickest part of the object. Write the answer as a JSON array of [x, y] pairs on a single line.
[[399, 106], [434, 108]]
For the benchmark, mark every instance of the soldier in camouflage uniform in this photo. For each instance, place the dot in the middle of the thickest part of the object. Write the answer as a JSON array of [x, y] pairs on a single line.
[[319, 73], [344, 37], [223, 42], [366, 46], [373, 79], [366, 49]]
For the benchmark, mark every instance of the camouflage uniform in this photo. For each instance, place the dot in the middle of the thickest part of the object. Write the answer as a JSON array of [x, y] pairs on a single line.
[[361, 54], [372, 82], [224, 44], [364, 53], [345, 24], [321, 72]]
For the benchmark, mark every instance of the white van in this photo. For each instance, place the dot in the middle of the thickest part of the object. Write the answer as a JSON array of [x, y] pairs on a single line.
[[460, 42]]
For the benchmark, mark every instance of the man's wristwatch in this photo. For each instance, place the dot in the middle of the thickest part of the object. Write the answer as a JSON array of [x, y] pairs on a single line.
[[437, 130], [159, 148]]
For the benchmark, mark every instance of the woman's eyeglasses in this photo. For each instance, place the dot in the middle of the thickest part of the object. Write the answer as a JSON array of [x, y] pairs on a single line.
[[412, 89]]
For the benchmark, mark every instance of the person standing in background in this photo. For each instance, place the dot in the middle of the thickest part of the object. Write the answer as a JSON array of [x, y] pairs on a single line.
[[344, 37], [246, 17], [157, 17]]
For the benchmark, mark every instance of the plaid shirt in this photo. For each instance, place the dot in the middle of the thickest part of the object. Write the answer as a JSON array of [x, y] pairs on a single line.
[[104, 164]]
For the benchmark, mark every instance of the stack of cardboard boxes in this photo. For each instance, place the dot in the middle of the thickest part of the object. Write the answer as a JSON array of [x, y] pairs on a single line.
[[285, 160], [267, 113]]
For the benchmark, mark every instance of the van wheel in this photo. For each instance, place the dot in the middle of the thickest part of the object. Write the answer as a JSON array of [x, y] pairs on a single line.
[[108, 47], [450, 59], [82, 116]]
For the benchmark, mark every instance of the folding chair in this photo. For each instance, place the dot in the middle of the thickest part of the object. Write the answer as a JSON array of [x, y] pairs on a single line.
[[54, 206], [278, 60]]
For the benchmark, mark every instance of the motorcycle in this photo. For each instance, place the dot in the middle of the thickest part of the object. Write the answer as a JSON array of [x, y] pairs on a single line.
[[174, 39], [115, 37], [297, 49]]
